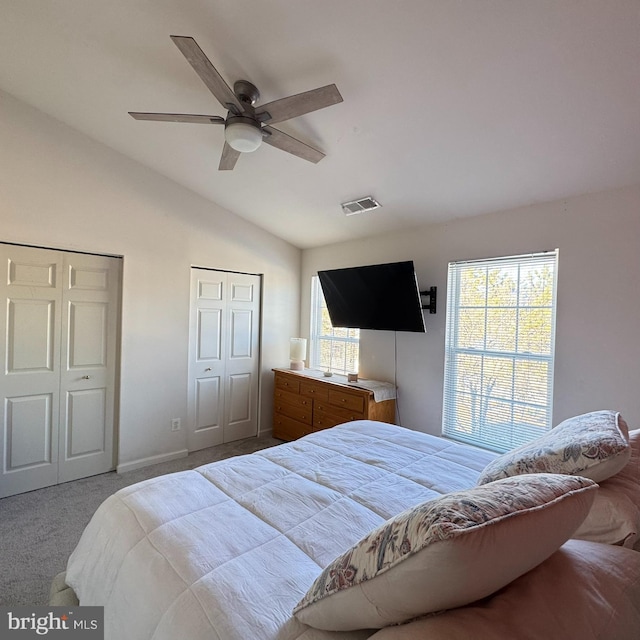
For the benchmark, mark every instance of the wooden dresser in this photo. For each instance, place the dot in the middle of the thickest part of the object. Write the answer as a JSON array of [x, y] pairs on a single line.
[[305, 401]]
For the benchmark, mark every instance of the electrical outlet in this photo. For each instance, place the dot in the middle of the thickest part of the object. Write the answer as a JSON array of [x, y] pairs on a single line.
[[175, 424]]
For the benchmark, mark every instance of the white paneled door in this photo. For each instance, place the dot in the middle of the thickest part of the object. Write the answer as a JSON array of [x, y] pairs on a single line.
[[59, 363], [223, 357]]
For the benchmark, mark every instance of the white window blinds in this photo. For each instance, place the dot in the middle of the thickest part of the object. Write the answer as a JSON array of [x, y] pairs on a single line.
[[499, 350]]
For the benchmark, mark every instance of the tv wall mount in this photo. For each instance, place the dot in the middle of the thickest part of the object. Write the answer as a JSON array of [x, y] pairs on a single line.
[[432, 295]]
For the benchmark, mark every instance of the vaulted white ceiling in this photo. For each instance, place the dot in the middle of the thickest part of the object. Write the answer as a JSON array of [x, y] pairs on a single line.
[[451, 108]]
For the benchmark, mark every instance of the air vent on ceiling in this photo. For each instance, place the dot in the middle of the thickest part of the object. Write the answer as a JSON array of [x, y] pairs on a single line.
[[360, 206]]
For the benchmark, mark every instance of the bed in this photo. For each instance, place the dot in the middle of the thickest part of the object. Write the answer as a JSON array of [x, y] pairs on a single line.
[[226, 551]]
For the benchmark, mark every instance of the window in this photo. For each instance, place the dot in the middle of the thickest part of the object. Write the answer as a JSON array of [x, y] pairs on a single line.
[[332, 349], [499, 350]]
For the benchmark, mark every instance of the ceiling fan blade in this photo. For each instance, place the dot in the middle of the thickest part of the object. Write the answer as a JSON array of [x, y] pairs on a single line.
[[207, 72], [285, 142], [298, 105], [176, 117], [229, 158]]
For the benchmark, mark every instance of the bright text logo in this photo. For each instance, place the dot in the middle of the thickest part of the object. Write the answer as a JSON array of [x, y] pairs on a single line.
[[69, 623]]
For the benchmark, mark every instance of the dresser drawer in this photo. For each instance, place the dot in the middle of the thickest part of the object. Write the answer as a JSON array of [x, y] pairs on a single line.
[[346, 400], [324, 420], [289, 383], [285, 428], [315, 390], [281, 395], [338, 414], [298, 412]]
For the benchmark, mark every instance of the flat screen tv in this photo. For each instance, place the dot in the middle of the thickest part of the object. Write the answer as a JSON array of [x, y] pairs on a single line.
[[379, 296]]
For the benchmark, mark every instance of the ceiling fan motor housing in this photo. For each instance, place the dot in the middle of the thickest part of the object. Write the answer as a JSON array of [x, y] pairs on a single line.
[[246, 92]]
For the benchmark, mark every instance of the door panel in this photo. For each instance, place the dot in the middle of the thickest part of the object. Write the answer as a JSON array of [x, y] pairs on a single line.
[[210, 287], [242, 364], [30, 335], [90, 294], [239, 398], [206, 360], [32, 271], [223, 357], [242, 292], [89, 279], [208, 404], [30, 375], [241, 334], [209, 338], [86, 425], [88, 334], [29, 429]]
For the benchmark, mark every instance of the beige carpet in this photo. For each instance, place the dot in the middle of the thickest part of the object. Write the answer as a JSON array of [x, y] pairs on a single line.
[[40, 529]]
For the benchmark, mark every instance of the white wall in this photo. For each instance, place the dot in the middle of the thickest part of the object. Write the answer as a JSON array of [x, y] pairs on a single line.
[[597, 345], [62, 190]]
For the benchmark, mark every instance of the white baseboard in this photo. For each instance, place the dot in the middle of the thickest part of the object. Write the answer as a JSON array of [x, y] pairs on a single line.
[[145, 462]]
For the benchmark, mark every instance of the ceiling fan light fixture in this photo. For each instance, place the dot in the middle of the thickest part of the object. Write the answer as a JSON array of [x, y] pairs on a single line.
[[243, 134]]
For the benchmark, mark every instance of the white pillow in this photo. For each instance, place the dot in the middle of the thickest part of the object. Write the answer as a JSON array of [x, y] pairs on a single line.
[[615, 515], [594, 445], [447, 552], [613, 519]]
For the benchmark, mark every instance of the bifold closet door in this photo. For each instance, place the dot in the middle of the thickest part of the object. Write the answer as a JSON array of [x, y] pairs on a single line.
[[58, 353], [88, 365], [223, 357], [31, 321]]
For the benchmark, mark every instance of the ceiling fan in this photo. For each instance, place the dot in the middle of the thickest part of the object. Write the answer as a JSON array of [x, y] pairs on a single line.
[[246, 125]]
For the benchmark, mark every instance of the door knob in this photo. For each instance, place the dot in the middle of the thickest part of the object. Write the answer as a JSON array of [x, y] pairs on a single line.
[[208, 369], [86, 377]]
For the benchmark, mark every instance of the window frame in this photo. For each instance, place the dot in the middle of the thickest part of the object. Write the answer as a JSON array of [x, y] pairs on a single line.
[[474, 427], [338, 336]]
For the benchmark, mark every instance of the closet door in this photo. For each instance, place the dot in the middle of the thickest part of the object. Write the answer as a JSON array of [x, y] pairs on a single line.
[[242, 362], [30, 354], [223, 357], [88, 365], [59, 356]]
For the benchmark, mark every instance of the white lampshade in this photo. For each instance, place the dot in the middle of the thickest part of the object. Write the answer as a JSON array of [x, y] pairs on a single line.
[[297, 353], [243, 136]]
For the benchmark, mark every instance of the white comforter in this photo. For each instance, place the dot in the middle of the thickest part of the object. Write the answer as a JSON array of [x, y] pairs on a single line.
[[225, 551]]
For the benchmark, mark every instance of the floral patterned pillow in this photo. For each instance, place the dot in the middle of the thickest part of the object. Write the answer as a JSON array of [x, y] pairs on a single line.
[[594, 445], [447, 552]]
